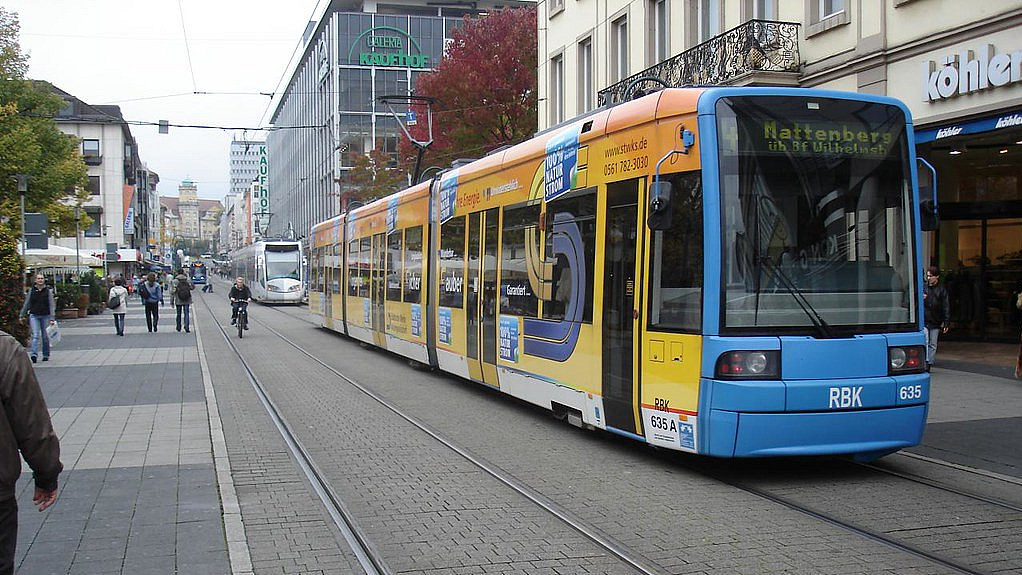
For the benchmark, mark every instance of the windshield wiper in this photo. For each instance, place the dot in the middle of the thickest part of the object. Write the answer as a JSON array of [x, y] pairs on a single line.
[[800, 298]]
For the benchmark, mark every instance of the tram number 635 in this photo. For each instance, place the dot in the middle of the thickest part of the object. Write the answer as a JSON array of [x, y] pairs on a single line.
[[910, 392]]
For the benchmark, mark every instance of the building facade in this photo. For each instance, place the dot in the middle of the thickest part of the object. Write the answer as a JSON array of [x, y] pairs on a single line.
[[122, 188], [244, 164], [189, 219], [331, 113], [958, 70]]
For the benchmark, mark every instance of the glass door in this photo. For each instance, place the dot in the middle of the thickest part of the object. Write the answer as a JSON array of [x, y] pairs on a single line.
[[982, 271]]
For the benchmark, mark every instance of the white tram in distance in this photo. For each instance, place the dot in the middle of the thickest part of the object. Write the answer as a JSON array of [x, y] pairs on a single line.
[[272, 270]]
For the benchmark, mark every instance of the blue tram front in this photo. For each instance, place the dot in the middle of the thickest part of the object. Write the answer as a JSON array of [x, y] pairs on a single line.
[[812, 339]]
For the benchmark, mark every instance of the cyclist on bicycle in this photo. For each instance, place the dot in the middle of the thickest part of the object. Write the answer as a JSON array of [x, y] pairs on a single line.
[[240, 294]]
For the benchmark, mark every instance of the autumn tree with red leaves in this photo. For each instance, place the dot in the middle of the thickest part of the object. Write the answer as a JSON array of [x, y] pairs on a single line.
[[484, 89]]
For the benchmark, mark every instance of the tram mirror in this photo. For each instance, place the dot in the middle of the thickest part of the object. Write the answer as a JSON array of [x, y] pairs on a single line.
[[659, 206], [929, 219]]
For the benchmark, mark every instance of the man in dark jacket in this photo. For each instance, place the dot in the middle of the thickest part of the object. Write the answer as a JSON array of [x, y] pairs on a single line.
[[24, 426], [40, 307], [183, 298], [936, 312]]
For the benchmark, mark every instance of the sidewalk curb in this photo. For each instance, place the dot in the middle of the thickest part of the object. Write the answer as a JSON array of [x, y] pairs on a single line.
[[234, 525]]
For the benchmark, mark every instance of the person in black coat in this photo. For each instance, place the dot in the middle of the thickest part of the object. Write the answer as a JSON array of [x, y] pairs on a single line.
[[936, 312]]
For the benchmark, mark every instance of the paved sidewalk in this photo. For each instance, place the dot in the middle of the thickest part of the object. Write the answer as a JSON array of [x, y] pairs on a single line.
[[139, 491]]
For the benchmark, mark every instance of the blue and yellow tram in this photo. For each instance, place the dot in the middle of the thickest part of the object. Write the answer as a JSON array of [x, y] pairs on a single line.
[[728, 271]]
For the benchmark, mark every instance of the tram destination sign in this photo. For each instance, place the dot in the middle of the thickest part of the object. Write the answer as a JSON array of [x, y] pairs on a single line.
[[818, 137]]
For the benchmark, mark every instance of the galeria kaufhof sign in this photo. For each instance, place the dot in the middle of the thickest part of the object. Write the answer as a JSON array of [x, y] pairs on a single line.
[[385, 46]]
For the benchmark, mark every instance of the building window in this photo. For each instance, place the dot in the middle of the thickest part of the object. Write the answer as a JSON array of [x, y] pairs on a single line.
[[554, 7], [761, 10], [824, 15], [709, 19], [90, 148], [94, 185], [830, 8], [619, 49], [585, 75], [659, 31], [556, 97], [94, 230]]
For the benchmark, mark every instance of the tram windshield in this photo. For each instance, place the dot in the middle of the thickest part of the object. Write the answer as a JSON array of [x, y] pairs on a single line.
[[283, 264], [817, 219]]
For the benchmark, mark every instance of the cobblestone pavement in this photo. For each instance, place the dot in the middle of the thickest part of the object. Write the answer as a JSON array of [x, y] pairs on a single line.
[[686, 523], [172, 465], [138, 493]]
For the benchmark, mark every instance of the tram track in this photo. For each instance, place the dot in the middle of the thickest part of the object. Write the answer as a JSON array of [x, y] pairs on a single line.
[[368, 557], [868, 532]]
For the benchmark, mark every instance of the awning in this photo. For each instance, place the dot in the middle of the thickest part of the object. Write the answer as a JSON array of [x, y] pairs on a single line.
[[57, 256], [1001, 121]]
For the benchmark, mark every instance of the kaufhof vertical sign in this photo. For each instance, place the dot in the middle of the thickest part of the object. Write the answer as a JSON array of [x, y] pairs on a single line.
[[262, 211], [387, 47], [970, 71]]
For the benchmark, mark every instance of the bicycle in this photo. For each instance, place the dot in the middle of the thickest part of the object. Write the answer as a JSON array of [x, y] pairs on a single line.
[[242, 317]]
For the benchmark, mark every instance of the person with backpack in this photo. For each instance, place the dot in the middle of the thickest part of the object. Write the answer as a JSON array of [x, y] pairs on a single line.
[[118, 304], [151, 294], [183, 299]]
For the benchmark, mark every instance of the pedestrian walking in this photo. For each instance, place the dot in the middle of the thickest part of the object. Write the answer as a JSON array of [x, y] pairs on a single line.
[[936, 312], [40, 307], [152, 294], [25, 427], [183, 298], [121, 294]]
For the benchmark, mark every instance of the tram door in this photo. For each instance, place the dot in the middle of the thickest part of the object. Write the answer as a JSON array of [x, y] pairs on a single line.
[[326, 264], [620, 285], [473, 289], [482, 296], [378, 287]]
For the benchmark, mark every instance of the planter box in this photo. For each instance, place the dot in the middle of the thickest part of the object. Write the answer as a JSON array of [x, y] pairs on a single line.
[[67, 313]]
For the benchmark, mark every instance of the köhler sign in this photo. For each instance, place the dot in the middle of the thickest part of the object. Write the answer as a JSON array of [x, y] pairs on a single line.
[[385, 46], [967, 72]]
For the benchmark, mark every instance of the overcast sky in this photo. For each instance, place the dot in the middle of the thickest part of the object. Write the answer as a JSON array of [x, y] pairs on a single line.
[[135, 54]]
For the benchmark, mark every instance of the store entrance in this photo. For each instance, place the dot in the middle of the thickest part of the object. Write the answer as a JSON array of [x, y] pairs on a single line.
[[983, 274]]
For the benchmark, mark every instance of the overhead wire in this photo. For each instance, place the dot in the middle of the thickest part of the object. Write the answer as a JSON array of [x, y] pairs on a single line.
[[188, 52]]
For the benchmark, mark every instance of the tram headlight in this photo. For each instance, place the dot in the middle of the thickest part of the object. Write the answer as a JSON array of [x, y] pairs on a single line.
[[749, 365], [905, 359]]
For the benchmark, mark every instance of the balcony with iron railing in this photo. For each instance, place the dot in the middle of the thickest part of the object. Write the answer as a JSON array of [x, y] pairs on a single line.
[[756, 52]]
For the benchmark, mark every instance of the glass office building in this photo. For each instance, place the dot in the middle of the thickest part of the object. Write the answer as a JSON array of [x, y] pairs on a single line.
[[330, 114]]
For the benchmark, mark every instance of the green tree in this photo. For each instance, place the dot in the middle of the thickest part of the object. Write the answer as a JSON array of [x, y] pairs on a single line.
[[484, 89], [12, 294], [373, 176], [31, 144]]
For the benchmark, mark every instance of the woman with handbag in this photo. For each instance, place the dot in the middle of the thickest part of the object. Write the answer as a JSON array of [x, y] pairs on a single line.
[[118, 303]]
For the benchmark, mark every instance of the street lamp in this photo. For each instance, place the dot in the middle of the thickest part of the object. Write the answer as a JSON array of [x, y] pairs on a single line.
[[22, 190], [22, 180], [78, 251]]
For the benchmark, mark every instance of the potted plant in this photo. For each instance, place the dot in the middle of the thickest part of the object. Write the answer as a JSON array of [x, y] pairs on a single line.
[[97, 295], [66, 295]]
